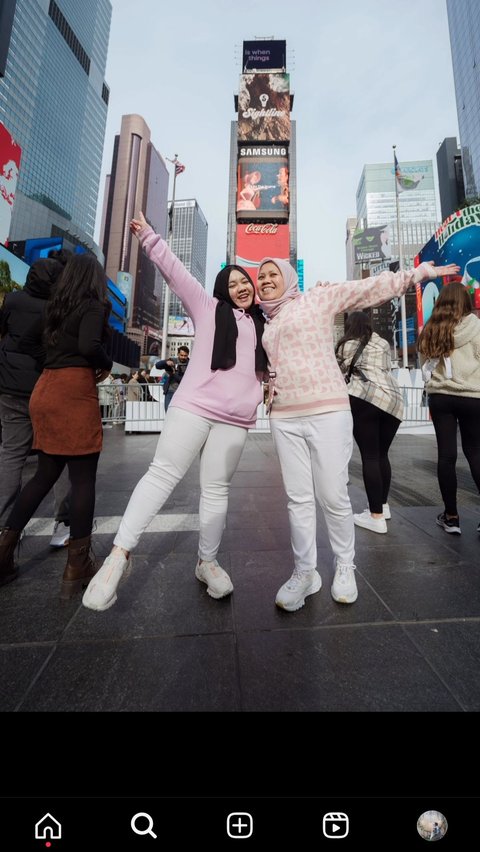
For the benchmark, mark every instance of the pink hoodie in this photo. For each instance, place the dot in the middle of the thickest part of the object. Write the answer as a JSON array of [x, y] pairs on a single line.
[[230, 396]]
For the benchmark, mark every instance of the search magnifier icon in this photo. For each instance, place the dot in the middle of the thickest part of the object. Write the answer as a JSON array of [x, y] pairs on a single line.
[[148, 829]]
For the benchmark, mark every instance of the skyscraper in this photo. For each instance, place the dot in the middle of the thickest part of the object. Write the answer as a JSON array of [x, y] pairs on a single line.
[[464, 26], [53, 100], [376, 208], [376, 205], [450, 176], [189, 244], [138, 181], [262, 211]]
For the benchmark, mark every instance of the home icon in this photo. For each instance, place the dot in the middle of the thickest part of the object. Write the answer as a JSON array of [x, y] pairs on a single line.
[[48, 828]]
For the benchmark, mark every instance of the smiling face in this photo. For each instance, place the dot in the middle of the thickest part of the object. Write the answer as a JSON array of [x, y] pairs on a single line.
[[270, 282], [240, 289]]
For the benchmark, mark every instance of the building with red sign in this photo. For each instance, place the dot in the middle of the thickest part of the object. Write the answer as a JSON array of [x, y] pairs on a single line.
[[262, 208]]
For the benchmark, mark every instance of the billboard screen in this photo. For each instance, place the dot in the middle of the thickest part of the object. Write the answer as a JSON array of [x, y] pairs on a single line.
[[372, 244], [263, 55], [457, 240], [262, 189], [180, 325], [256, 241], [264, 108], [12, 269], [10, 154]]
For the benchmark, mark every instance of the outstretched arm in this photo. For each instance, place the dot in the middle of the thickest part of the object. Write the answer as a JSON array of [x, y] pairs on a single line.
[[178, 278], [355, 295]]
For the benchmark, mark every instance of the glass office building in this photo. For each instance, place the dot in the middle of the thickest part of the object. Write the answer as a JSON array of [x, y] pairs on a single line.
[[54, 100], [189, 244], [464, 25], [376, 204]]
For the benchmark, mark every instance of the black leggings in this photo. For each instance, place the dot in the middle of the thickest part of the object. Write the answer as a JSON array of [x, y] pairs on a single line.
[[374, 431], [448, 411], [82, 471]]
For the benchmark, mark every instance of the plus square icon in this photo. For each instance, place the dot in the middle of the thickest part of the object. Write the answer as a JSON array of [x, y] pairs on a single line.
[[239, 825]]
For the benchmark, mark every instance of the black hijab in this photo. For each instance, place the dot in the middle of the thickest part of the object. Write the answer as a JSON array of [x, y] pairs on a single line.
[[224, 354]]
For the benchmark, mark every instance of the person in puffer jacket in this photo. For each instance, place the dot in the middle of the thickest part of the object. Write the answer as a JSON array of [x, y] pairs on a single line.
[[19, 372], [449, 347], [310, 419]]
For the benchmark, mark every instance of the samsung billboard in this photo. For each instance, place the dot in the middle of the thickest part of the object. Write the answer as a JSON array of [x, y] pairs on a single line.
[[262, 189]]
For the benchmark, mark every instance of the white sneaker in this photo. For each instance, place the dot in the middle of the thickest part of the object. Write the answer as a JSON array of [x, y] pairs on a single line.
[[386, 511], [101, 592], [291, 596], [364, 519], [344, 586], [61, 535], [218, 582]]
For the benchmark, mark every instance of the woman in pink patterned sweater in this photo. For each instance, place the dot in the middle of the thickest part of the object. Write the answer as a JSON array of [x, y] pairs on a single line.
[[311, 421]]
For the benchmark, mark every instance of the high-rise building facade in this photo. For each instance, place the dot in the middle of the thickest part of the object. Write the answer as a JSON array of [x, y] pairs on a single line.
[[377, 209], [464, 26], [451, 186], [138, 181], [53, 100], [189, 244], [262, 215], [376, 205]]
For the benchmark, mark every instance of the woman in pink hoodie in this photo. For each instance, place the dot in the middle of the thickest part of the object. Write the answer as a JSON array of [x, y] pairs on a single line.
[[210, 413], [311, 420]]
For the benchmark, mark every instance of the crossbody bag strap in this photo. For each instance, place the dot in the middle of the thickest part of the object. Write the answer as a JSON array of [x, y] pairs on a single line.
[[358, 352]]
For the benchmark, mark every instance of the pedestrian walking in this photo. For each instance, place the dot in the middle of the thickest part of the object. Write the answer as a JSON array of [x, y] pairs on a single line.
[[65, 414], [377, 410], [311, 420], [449, 347], [210, 413], [175, 371]]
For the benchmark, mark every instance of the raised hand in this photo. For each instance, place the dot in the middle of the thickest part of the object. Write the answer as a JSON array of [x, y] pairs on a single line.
[[137, 225], [427, 271]]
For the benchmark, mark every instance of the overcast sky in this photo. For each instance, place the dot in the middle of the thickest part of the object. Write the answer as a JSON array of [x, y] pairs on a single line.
[[366, 75]]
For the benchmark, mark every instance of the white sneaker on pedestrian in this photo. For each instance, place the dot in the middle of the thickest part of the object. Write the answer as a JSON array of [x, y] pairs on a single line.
[[386, 511], [218, 582], [364, 519], [61, 535], [291, 596], [101, 592], [344, 586]]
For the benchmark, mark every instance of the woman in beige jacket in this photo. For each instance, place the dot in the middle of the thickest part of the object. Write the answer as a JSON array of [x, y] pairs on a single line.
[[449, 348]]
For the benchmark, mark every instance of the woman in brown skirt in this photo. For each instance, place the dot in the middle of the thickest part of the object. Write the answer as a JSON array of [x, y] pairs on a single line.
[[65, 413]]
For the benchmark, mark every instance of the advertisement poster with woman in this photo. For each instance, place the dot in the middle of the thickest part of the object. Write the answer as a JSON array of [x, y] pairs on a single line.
[[263, 189], [457, 240], [10, 154]]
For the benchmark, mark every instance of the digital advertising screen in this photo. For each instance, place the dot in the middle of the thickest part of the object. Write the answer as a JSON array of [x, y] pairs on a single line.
[[10, 155], [262, 188], [256, 241], [457, 240], [261, 55], [264, 108]]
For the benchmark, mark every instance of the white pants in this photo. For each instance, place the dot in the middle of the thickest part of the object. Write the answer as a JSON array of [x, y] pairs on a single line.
[[314, 453], [184, 436]]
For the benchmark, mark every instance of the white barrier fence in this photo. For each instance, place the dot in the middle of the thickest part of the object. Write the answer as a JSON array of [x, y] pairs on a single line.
[[147, 416]]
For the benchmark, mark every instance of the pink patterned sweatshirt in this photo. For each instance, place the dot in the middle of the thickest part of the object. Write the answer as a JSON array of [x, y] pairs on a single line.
[[300, 347], [230, 396]]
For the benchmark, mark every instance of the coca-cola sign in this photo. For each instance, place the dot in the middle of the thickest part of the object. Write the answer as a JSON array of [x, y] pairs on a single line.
[[268, 228]]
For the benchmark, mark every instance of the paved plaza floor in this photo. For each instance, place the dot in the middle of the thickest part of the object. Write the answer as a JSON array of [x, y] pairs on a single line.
[[411, 642]]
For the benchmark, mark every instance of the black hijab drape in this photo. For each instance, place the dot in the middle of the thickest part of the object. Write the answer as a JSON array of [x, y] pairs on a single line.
[[224, 353]]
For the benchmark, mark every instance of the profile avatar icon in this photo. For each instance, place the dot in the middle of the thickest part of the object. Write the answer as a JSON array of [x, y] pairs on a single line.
[[432, 825]]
